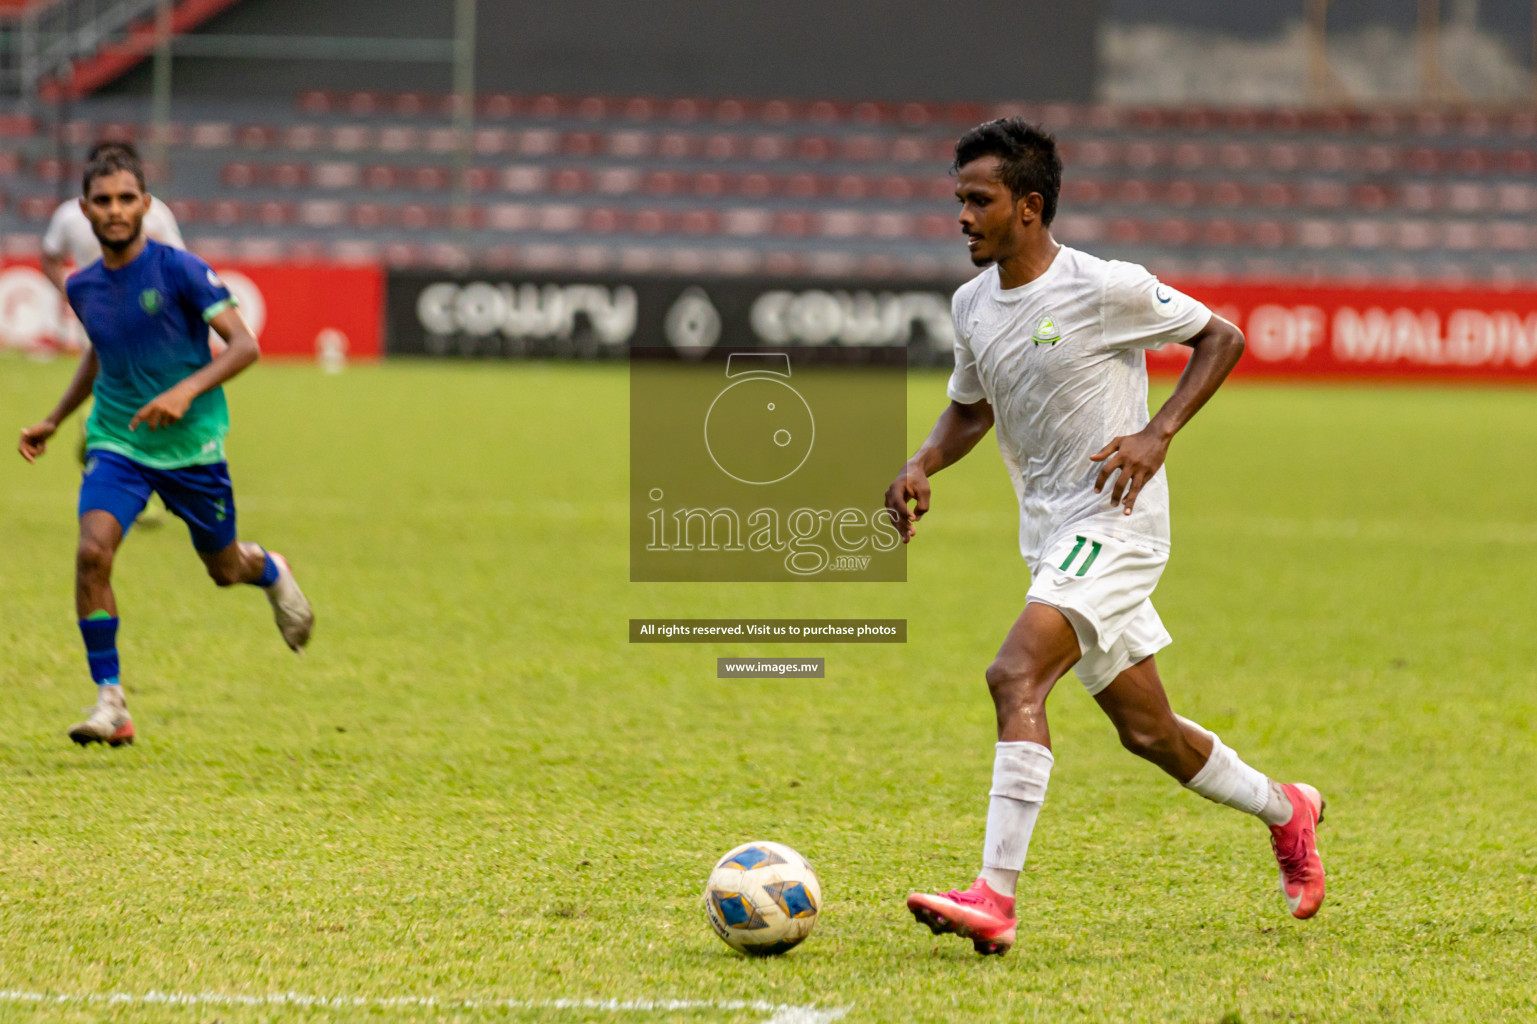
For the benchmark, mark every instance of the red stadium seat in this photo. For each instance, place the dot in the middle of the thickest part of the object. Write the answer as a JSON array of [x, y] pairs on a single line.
[[604, 221], [1268, 234], [538, 142], [892, 225], [239, 175], [261, 250], [909, 150], [581, 144], [315, 101], [1222, 232], [491, 141], [677, 146], [1418, 234], [629, 144], [524, 178], [814, 147], [336, 174], [842, 224], [1515, 198], [617, 180], [1366, 234], [865, 148], [1370, 196], [363, 104], [1182, 193], [1228, 193], [413, 104], [1327, 194], [713, 183], [226, 212], [1510, 235], [274, 213], [802, 186], [349, 138], [288, 175], [430, 178], [399, 139], [303, 137], [257, 136], [665, 183], [418, 216], [370, 215], [1319, 234], [1466, 197], [1463, 236], [572, 179], [212, 135], [322, 213], [699, 222], [381, 177], [498, 106], [650, 222], [593, 108], [509, 216], [724, 147], [747, 222], [37, 207], [1175, 231]]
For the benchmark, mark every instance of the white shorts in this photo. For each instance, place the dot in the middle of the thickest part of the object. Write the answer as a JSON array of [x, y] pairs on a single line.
[[1104, 588]]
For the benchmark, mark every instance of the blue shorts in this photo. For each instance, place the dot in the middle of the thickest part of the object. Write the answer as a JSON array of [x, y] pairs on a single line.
[[200, 496]]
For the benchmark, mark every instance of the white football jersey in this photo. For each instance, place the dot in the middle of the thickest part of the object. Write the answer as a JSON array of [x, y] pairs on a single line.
[[1061, 362], [69, 232]]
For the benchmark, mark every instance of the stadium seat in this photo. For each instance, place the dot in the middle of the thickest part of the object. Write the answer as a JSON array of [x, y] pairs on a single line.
[[524, 178], [336, 174]]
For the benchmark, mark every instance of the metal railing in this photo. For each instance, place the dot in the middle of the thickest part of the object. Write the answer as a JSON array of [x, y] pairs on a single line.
[[47, 39]]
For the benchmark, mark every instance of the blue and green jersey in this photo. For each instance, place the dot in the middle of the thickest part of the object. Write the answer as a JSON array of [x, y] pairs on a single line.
[[147, 323]]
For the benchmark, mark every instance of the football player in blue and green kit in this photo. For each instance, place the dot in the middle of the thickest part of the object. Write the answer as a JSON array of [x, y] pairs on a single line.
[[157, 425]]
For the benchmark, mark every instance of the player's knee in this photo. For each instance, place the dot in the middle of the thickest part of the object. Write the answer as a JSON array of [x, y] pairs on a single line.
[[1013, 681], [1150, 740], [93, 559]]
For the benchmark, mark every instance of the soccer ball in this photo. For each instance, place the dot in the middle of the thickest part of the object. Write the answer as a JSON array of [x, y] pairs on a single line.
[[763, 898]]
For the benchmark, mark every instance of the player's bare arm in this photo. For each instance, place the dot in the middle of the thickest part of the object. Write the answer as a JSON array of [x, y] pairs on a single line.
[[1134, 458], [34, 439], [241, 351], [53, 269], [955, 433]]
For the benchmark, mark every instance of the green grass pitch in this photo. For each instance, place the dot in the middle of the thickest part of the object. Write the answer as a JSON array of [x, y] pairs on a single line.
[[472, 789]]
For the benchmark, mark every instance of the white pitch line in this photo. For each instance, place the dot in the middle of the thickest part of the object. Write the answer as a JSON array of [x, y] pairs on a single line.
[[778, 1013]]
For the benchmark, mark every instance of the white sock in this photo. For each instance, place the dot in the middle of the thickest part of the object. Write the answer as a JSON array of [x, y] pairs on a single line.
[[1224, 779], [1020, 773], [110, 693]]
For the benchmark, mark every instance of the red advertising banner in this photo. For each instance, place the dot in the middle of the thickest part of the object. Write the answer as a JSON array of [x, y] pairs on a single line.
[[1314, 332], [324, 312]]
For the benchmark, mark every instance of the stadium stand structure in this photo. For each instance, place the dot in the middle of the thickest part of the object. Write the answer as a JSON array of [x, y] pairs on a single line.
[[833, 188]]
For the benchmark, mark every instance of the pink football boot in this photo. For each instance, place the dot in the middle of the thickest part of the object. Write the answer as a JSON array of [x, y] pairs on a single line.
[[1296, 851], [978, 914]]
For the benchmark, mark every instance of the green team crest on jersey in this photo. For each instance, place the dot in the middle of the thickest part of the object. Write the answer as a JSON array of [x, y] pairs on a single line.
[[1046, 332], [150, 301]]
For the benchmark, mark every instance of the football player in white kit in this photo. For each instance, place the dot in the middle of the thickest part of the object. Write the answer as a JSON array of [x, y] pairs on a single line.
[[1049, 350]]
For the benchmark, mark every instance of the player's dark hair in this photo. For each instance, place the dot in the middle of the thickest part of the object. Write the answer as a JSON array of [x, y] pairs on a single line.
[[1027, 159], [110, 144], [110, 159]]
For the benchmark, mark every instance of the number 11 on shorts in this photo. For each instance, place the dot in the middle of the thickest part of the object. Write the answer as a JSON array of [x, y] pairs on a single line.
[[1094, 549]]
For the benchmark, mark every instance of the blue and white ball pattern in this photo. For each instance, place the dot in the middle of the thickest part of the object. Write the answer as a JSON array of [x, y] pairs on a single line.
[[763, 898]]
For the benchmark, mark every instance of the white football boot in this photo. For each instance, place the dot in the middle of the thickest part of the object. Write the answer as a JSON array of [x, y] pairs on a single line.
[[289, 606], [108, 721]]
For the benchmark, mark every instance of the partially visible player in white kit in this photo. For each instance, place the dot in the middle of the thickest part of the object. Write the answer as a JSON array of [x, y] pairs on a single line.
[[1049, 349]]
